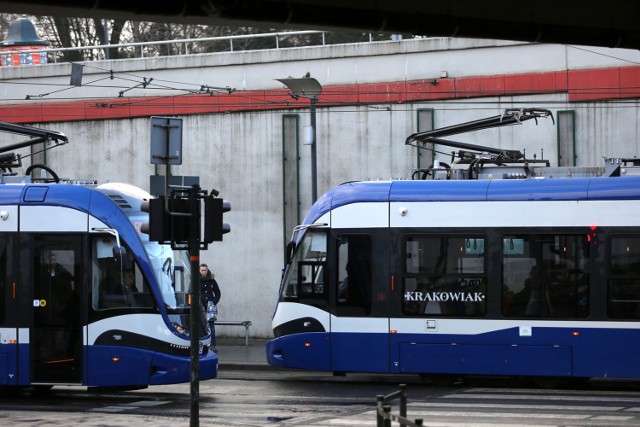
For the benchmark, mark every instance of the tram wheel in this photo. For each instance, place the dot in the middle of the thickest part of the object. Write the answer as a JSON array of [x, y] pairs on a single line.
[[549, 382], [41, 389], [441, 380], [578, 382]]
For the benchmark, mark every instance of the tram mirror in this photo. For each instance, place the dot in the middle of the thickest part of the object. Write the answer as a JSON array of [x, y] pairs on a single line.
[[291, 247], [123, 259], [119, 253]]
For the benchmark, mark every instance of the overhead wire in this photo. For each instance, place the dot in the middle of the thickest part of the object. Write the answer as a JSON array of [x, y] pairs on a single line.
[[163, 84], [266, 98]]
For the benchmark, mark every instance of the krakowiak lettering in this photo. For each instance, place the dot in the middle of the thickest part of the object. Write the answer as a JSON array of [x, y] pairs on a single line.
[[444, 296]]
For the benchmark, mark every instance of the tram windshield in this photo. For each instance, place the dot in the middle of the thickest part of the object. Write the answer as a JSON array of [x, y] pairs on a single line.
[[173, 271], [306, 272], [171, 267]]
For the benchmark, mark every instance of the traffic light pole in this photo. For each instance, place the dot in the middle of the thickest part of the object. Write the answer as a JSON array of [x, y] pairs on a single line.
[[177, 227], [194, 257]]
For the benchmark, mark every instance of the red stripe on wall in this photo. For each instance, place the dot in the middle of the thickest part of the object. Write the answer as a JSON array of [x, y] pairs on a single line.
[[580, 85], [630, 82], [585, 85]]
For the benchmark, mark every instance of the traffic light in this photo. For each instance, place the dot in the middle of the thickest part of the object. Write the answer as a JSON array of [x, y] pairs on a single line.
[[176, 225], [158, 227], [162, 226], [214, 227]]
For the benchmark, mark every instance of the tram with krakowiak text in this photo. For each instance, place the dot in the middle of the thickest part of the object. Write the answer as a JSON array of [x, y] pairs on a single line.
[[85, 298], [504, 266]]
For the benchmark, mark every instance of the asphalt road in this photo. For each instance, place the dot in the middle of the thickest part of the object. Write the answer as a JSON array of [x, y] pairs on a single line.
[[290, 398]]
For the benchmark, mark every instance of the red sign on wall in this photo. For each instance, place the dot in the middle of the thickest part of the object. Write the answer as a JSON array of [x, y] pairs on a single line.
[[21, 55]]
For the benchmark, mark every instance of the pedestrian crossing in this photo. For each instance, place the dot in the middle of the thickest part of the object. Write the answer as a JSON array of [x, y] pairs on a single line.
[[471, 407], [129, 406], [483, 407]]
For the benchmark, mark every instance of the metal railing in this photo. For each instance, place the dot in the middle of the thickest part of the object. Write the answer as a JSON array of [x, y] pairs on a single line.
[[141, 46], [151, 49], [384, 417]]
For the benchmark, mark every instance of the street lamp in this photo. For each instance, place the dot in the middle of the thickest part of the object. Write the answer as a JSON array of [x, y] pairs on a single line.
[[308, 87]]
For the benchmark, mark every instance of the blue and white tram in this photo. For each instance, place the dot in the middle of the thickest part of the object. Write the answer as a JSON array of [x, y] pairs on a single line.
[[534, 277], [75, 312]]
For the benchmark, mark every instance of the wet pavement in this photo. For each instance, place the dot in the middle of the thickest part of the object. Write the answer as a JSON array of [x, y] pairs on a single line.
[[234, 354]]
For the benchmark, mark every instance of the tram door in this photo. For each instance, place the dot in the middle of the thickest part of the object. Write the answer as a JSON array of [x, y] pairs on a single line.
[[56, 336], [359, 337]]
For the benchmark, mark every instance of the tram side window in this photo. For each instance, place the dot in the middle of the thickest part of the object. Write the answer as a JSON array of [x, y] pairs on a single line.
[[305, 278], [354, 275], [445, 275], [545, 276], [114, 287], [623, 282]]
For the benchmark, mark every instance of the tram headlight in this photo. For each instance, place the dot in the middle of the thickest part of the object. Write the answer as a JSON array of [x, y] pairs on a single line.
[[181, 329]]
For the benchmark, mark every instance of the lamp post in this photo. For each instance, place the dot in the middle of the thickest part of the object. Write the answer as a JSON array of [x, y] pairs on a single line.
[[308, 87]]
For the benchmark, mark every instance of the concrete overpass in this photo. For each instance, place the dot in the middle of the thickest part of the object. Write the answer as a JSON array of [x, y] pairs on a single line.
[[614, 23]]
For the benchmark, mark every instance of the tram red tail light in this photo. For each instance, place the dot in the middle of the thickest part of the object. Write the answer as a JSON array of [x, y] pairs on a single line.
[[307, 344], [575, 333], [115, 359]]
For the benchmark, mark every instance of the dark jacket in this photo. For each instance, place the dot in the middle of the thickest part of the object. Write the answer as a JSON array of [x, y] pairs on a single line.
[[209, 290]]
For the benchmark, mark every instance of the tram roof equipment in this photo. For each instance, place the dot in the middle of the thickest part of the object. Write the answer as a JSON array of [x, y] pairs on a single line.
[[504, 163], [9, 160]]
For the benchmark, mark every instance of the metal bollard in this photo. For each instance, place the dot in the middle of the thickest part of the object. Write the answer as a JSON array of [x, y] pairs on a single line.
[[403, 403], [384, 417], [379, 419], [387, 415]]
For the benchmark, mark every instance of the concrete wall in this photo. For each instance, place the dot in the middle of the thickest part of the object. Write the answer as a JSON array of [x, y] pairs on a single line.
[[348, 64], [240, 153]]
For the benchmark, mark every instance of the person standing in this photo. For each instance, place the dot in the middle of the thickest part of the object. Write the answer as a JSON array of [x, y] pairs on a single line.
[[210, 296]]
